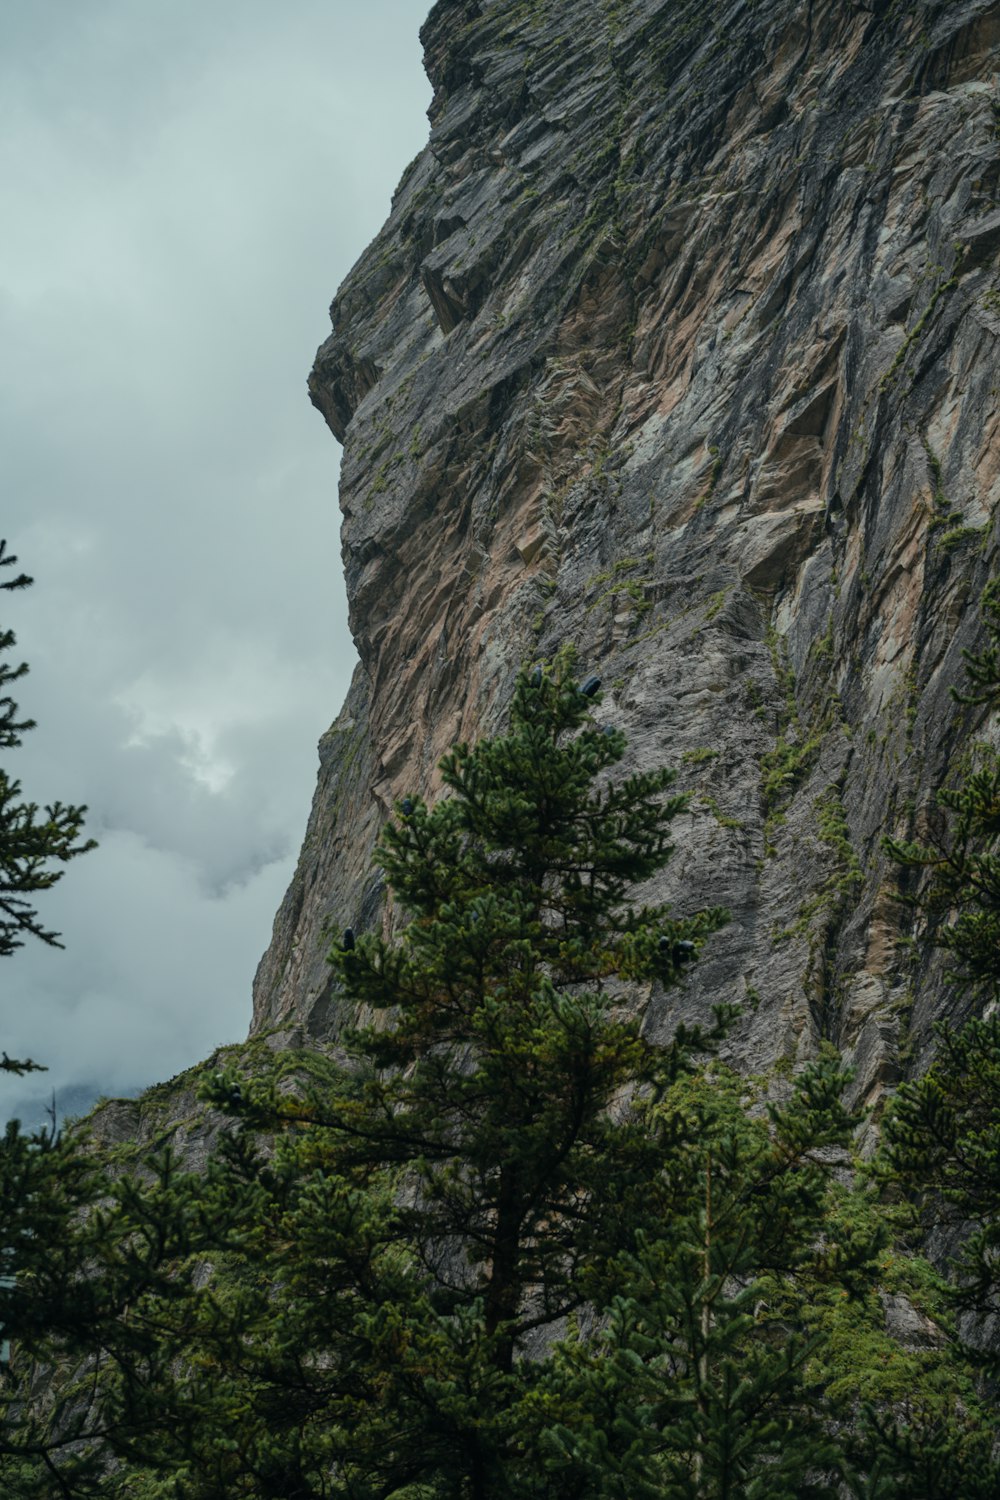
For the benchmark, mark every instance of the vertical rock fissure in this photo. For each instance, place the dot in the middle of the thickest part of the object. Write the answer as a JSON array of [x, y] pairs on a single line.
[[720, 278]]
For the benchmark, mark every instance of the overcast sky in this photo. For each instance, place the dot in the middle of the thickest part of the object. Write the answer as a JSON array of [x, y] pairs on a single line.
[[183, 185]]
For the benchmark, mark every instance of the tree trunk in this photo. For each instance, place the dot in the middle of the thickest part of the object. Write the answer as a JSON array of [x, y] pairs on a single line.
[[503, 1290]]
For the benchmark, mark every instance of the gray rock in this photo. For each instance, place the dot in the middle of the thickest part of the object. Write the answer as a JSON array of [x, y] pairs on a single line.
[[680, 343]]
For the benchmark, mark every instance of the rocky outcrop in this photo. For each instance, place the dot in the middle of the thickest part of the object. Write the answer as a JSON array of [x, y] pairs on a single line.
[[681, 344]]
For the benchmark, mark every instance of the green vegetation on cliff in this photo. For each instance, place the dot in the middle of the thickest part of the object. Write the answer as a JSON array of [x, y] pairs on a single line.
[[502, 1244]]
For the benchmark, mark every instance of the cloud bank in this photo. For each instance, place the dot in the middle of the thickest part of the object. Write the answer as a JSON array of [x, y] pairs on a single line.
[[183, 187]]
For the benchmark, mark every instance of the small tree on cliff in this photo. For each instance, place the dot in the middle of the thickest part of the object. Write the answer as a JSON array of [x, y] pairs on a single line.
[[942, 1135]]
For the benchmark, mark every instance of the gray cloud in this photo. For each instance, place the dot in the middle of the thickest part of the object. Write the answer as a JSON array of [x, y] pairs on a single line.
[[182, 188]]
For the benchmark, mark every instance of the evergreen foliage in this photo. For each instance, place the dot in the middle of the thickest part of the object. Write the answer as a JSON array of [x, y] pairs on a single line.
[[963, 871], [962, 865], [702, 1380], [499, 1246], [494, 1096], [28, 841], [942, 1134]]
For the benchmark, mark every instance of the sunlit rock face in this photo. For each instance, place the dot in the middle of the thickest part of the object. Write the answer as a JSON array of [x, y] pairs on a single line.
[[681, 344]]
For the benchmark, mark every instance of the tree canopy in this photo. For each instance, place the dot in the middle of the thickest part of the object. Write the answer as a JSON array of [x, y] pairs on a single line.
[[497, 1242]]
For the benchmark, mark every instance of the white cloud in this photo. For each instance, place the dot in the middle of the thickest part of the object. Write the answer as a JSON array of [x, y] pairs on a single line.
[[182, 188], [155, 972]]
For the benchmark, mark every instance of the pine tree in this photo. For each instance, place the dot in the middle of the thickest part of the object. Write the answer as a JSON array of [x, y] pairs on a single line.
[[704, 1379], [28, 842], [494, 1083], [942, 1134], [961, 866], [43, 1183]]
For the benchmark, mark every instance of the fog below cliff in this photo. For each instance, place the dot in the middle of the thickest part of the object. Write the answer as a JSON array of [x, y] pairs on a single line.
[[182, 186]]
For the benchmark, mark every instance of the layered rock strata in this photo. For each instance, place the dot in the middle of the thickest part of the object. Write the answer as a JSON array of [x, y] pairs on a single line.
[[680, 344]]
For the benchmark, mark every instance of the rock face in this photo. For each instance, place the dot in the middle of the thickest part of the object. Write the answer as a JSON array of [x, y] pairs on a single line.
[[681, 344]]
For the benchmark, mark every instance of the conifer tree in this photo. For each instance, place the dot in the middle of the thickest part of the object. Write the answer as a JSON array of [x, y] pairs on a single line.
[[493, 1083], [704, 1378], [942, 1134], [43, 1182], [28, 841], [34, 1194]]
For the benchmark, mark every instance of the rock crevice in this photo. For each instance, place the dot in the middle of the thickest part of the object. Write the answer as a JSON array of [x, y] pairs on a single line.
[[680, 344]]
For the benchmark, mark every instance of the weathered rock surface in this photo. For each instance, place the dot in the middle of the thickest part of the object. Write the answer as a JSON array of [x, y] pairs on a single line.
[[680, 343]]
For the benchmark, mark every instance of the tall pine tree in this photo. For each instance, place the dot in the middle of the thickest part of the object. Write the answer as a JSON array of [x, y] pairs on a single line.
[[493, 1083]]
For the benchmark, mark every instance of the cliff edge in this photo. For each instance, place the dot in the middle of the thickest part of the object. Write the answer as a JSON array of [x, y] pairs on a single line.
[[680, 344]]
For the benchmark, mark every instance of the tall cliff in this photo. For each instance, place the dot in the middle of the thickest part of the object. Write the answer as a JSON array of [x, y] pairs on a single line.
[[680, 344]]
